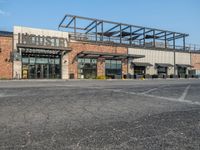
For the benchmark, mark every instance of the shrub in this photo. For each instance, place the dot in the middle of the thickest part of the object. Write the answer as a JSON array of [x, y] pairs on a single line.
[[3, 78], [101, 77]]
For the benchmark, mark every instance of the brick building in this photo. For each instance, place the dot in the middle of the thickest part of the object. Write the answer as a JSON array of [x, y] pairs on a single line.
[[6, 39], [195, 57], [95, 51], [79, 47]]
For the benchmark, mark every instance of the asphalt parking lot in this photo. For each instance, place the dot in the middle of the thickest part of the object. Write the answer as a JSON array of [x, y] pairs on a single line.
[[98, 115]]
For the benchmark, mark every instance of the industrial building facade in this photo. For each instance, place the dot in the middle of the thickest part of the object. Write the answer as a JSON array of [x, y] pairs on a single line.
[[96, 49]]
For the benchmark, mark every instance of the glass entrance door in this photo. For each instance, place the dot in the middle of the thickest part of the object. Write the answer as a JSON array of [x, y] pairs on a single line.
[[42, 71], [39, 73], [45, 71], [32, 72]]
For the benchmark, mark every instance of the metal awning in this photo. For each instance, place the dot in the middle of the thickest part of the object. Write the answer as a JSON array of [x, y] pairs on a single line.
[[141, 64], [163, 65], [93, 54], [184, 65]]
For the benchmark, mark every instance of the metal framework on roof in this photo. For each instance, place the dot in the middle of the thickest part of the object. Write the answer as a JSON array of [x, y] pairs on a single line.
[[96, 30]]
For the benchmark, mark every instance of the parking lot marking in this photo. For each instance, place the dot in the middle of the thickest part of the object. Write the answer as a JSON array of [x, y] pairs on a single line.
[[173, 99], [154, 89], [182, 97], [151, 90], [182, 100], [2, 95]]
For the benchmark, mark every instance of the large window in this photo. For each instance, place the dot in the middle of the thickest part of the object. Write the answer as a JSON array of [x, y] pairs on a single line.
[[139, 70], [38, 67], [162, 71], [182, 71], [113, 68], [87, 68]]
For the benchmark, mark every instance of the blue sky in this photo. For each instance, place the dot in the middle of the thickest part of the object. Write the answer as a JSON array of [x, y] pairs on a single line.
[[175, 15]]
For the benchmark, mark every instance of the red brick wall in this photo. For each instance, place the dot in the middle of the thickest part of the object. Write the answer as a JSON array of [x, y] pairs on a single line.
[[195, 60], [5, 63], [124, 66], [100, 67], [77, 47]]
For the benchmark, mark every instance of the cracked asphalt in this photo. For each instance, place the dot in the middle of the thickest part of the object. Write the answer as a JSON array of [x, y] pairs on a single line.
[[100, 115]]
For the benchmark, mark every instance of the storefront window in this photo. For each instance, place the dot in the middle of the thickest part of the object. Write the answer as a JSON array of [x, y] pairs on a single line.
[[182, 72], [139, 70], [107, 64], [51, 61], [57, 61], [32, 60], [39, 67], [113, 69], [162, 70], [25, 60], [87, 68], [42, 60]]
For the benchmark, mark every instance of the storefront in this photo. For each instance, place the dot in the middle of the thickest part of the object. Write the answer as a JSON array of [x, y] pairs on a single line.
[[162, 69], [89, 48], [41, 66], [140, 68], [47, 54], [113, 69], [182, 70], [87, 68], [92, 64], [40, 54]]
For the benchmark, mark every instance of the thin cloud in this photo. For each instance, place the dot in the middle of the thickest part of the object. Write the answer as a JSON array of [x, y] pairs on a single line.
[[4, 13]]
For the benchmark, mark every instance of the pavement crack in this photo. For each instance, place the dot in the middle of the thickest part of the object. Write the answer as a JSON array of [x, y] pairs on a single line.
[[84, 138]]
